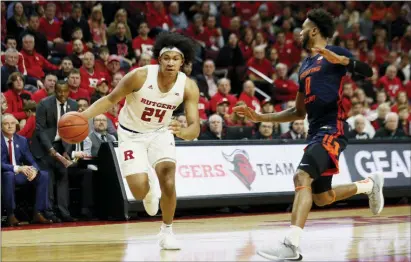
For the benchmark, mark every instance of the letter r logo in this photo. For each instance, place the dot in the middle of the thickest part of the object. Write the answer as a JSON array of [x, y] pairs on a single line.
[[128, 155]]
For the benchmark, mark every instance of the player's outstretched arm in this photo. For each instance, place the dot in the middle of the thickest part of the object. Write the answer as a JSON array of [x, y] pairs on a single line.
[[191, 97], [132, 81], [353, 66], [295, 113]]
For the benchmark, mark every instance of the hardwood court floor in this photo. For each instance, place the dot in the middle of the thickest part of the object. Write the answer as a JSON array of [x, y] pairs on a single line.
[[336, 235]]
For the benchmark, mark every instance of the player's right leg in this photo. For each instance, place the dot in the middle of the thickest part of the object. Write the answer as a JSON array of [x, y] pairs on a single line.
[[134, 164]]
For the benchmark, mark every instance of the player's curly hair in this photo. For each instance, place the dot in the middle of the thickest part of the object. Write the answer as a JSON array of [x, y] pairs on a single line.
[[168, 39], [323, 20]]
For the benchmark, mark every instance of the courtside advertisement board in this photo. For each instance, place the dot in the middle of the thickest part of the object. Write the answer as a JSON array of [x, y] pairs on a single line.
[[238, 170]]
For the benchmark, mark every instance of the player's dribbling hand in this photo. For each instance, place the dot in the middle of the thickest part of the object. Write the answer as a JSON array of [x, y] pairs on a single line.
[[331, 56], [246, 112], [175, 127]]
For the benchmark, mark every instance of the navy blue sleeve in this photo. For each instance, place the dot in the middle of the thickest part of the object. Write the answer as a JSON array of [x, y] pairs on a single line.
[[341, 51], [301, 87]]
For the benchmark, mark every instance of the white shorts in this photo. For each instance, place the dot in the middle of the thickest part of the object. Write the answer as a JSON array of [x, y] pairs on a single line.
[[138, 151]]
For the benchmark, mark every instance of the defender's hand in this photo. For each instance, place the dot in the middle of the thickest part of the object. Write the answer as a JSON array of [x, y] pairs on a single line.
[[331, 56], [247, 112], [175, 127]]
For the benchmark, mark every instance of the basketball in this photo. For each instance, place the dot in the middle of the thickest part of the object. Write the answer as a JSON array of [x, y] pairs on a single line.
[[73, 127]]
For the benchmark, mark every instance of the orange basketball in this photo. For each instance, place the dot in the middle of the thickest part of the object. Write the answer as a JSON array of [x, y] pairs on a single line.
[[73, 127]]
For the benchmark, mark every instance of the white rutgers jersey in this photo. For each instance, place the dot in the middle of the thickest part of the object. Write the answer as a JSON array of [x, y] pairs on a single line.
[[149, 109]]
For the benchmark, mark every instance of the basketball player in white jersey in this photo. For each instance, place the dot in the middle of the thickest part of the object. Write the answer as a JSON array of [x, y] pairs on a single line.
[[146, 127]]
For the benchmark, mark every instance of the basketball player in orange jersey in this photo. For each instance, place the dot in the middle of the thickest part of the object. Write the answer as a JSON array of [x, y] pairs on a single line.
[[320, 97], [146, 127]]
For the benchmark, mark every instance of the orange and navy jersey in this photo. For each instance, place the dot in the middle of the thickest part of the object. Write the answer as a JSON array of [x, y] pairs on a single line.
[[321, 82]]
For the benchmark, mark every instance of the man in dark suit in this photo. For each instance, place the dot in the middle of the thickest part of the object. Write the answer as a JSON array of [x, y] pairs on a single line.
[[207, 82], [18, 167], [99, 135], [48, 147]]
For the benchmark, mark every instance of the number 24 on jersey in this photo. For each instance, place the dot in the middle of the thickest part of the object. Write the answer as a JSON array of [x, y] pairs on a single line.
[[149, 112]]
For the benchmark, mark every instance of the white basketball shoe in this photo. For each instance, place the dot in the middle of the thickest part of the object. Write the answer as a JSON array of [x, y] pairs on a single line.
[[167, 239], [376, 197], [151, 201]]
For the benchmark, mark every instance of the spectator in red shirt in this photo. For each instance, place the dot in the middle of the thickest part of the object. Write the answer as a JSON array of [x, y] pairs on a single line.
[[50, 26], [203, 108], [261, 64], [142, 43], [197, 31], [390, 82], [100, 63], [246, 45], [112, 114], [248, 96], [285, 89], [348, 93], [113, 66], [35, 63], [89, 75], [157, 16], [11, 42], [247, 9], [14, 101], [215, 33], [49, 86], [284, 50], [226, 14], [73, 81], [224, 88], [380, 50], [28, 129]]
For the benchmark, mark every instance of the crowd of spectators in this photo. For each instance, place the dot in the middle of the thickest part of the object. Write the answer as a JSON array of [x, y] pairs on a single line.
[[73, 53]]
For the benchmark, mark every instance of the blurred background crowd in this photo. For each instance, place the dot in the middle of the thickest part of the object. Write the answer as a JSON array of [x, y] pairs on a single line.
[[91, 45]]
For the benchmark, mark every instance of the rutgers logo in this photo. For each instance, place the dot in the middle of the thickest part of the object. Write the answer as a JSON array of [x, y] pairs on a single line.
[[128, 155], [243, 169]]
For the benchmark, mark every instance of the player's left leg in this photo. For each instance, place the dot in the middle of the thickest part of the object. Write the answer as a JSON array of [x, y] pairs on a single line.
[[162, 157], [372, 186]]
